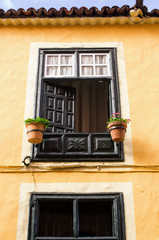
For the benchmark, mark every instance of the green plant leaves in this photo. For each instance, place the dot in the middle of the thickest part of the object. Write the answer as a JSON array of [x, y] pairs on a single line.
[[38, 120]]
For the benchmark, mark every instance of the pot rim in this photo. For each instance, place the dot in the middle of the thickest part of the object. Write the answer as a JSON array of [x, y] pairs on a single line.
[[34, 123], [117, 123]]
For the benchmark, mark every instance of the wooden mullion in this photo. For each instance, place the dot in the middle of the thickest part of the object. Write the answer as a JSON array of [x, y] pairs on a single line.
[[75, 219], [115, 230], [59, 66], [122, 215], [33, 219], [94, 65]]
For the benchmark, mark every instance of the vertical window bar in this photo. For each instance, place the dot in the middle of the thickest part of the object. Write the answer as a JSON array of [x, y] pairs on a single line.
[[37, 218], [59, 67], [122, 216], [94, 68], [32, 223], [75, 219], [115, 218], [116, 83], [109, 65], [77, 64]]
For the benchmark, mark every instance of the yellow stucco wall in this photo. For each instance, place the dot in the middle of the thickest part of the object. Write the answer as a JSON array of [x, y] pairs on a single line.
[[146, 196], [141, 61], [141, 58]]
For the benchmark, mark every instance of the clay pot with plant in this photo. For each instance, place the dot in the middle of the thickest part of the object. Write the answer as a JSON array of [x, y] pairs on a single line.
[[35, 129], [117, 127]]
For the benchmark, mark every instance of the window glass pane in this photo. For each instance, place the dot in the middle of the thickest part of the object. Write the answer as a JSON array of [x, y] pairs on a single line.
[[56, 218], [67, 71], [100, 59], [51, 71], [101, 70], [86, 71], [66, 60], [95, 218], [52, 60], [59, 65], [87, 59], [94, 64]]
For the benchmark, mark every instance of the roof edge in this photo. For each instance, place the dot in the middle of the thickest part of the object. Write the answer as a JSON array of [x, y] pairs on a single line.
[[77, 21], [74, 12]]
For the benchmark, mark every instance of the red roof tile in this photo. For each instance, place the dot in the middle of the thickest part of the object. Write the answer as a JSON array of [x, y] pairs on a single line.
[[73, 12]]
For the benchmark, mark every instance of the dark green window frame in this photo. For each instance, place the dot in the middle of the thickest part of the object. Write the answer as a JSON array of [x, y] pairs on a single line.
[[113, 201]]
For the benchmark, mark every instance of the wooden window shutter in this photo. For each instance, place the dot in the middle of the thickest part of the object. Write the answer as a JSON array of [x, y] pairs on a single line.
[[59, 107]]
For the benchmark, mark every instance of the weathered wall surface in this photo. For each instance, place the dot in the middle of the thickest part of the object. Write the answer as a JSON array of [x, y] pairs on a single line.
[[141, 58], [145, 192], [141, 61]]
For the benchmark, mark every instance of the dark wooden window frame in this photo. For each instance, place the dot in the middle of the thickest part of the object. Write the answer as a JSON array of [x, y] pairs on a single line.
[[86, 146], [118, 216]]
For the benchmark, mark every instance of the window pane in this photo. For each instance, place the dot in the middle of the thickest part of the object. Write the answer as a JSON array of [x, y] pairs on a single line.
[[56, 218], [100, 59], [66, 60], [101, 70], [59, 65], [67, 71], [95, 218], [95, 64], [52, 60], [51, 71], [86, 71], [87, 59]]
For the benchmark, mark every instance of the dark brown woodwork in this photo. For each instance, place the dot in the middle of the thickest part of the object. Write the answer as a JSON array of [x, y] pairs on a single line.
[[59, 107], [76, 217], [56, 100], [77, 147], [139, 4]]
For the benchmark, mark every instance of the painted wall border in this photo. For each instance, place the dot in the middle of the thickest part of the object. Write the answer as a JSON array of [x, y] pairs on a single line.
[[31, 90], [103, 187]]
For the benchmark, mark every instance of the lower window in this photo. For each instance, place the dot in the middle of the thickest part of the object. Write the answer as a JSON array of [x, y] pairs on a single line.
[[79, 216]]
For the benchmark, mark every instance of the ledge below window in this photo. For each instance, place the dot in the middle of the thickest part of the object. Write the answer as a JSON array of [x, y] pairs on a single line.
[[75, 147]]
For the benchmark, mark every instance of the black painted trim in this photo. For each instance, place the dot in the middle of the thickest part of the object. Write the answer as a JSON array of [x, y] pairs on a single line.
[[114, 103], [118, 216]]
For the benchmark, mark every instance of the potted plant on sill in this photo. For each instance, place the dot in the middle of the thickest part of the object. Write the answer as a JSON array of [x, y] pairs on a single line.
[[117, 127], [35, 129]]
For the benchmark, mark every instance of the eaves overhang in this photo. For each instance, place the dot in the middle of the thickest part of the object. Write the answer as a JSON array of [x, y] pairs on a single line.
[[79, 16]]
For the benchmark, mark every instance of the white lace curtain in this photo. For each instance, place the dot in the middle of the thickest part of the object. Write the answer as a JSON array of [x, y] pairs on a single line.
[[93, 65], [59, 65], [90, 65]]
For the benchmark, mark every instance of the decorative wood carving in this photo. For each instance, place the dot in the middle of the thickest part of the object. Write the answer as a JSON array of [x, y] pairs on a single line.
[[77, 147]]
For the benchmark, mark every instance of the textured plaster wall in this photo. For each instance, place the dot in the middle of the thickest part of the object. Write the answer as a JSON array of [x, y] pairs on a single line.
[[145, 195], [141, 57]]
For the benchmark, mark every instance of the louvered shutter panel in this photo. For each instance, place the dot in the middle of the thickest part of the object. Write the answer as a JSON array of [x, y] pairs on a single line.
[[59, 107]]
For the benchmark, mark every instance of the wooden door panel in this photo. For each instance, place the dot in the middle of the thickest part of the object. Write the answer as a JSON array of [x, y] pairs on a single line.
[[59, 107]]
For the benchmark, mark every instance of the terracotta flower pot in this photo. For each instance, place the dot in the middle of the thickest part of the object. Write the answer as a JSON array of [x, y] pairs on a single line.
[[35, 132], [117, 130]]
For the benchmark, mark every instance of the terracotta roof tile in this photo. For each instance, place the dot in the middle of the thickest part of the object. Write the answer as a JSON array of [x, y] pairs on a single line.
[[74, 12]]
